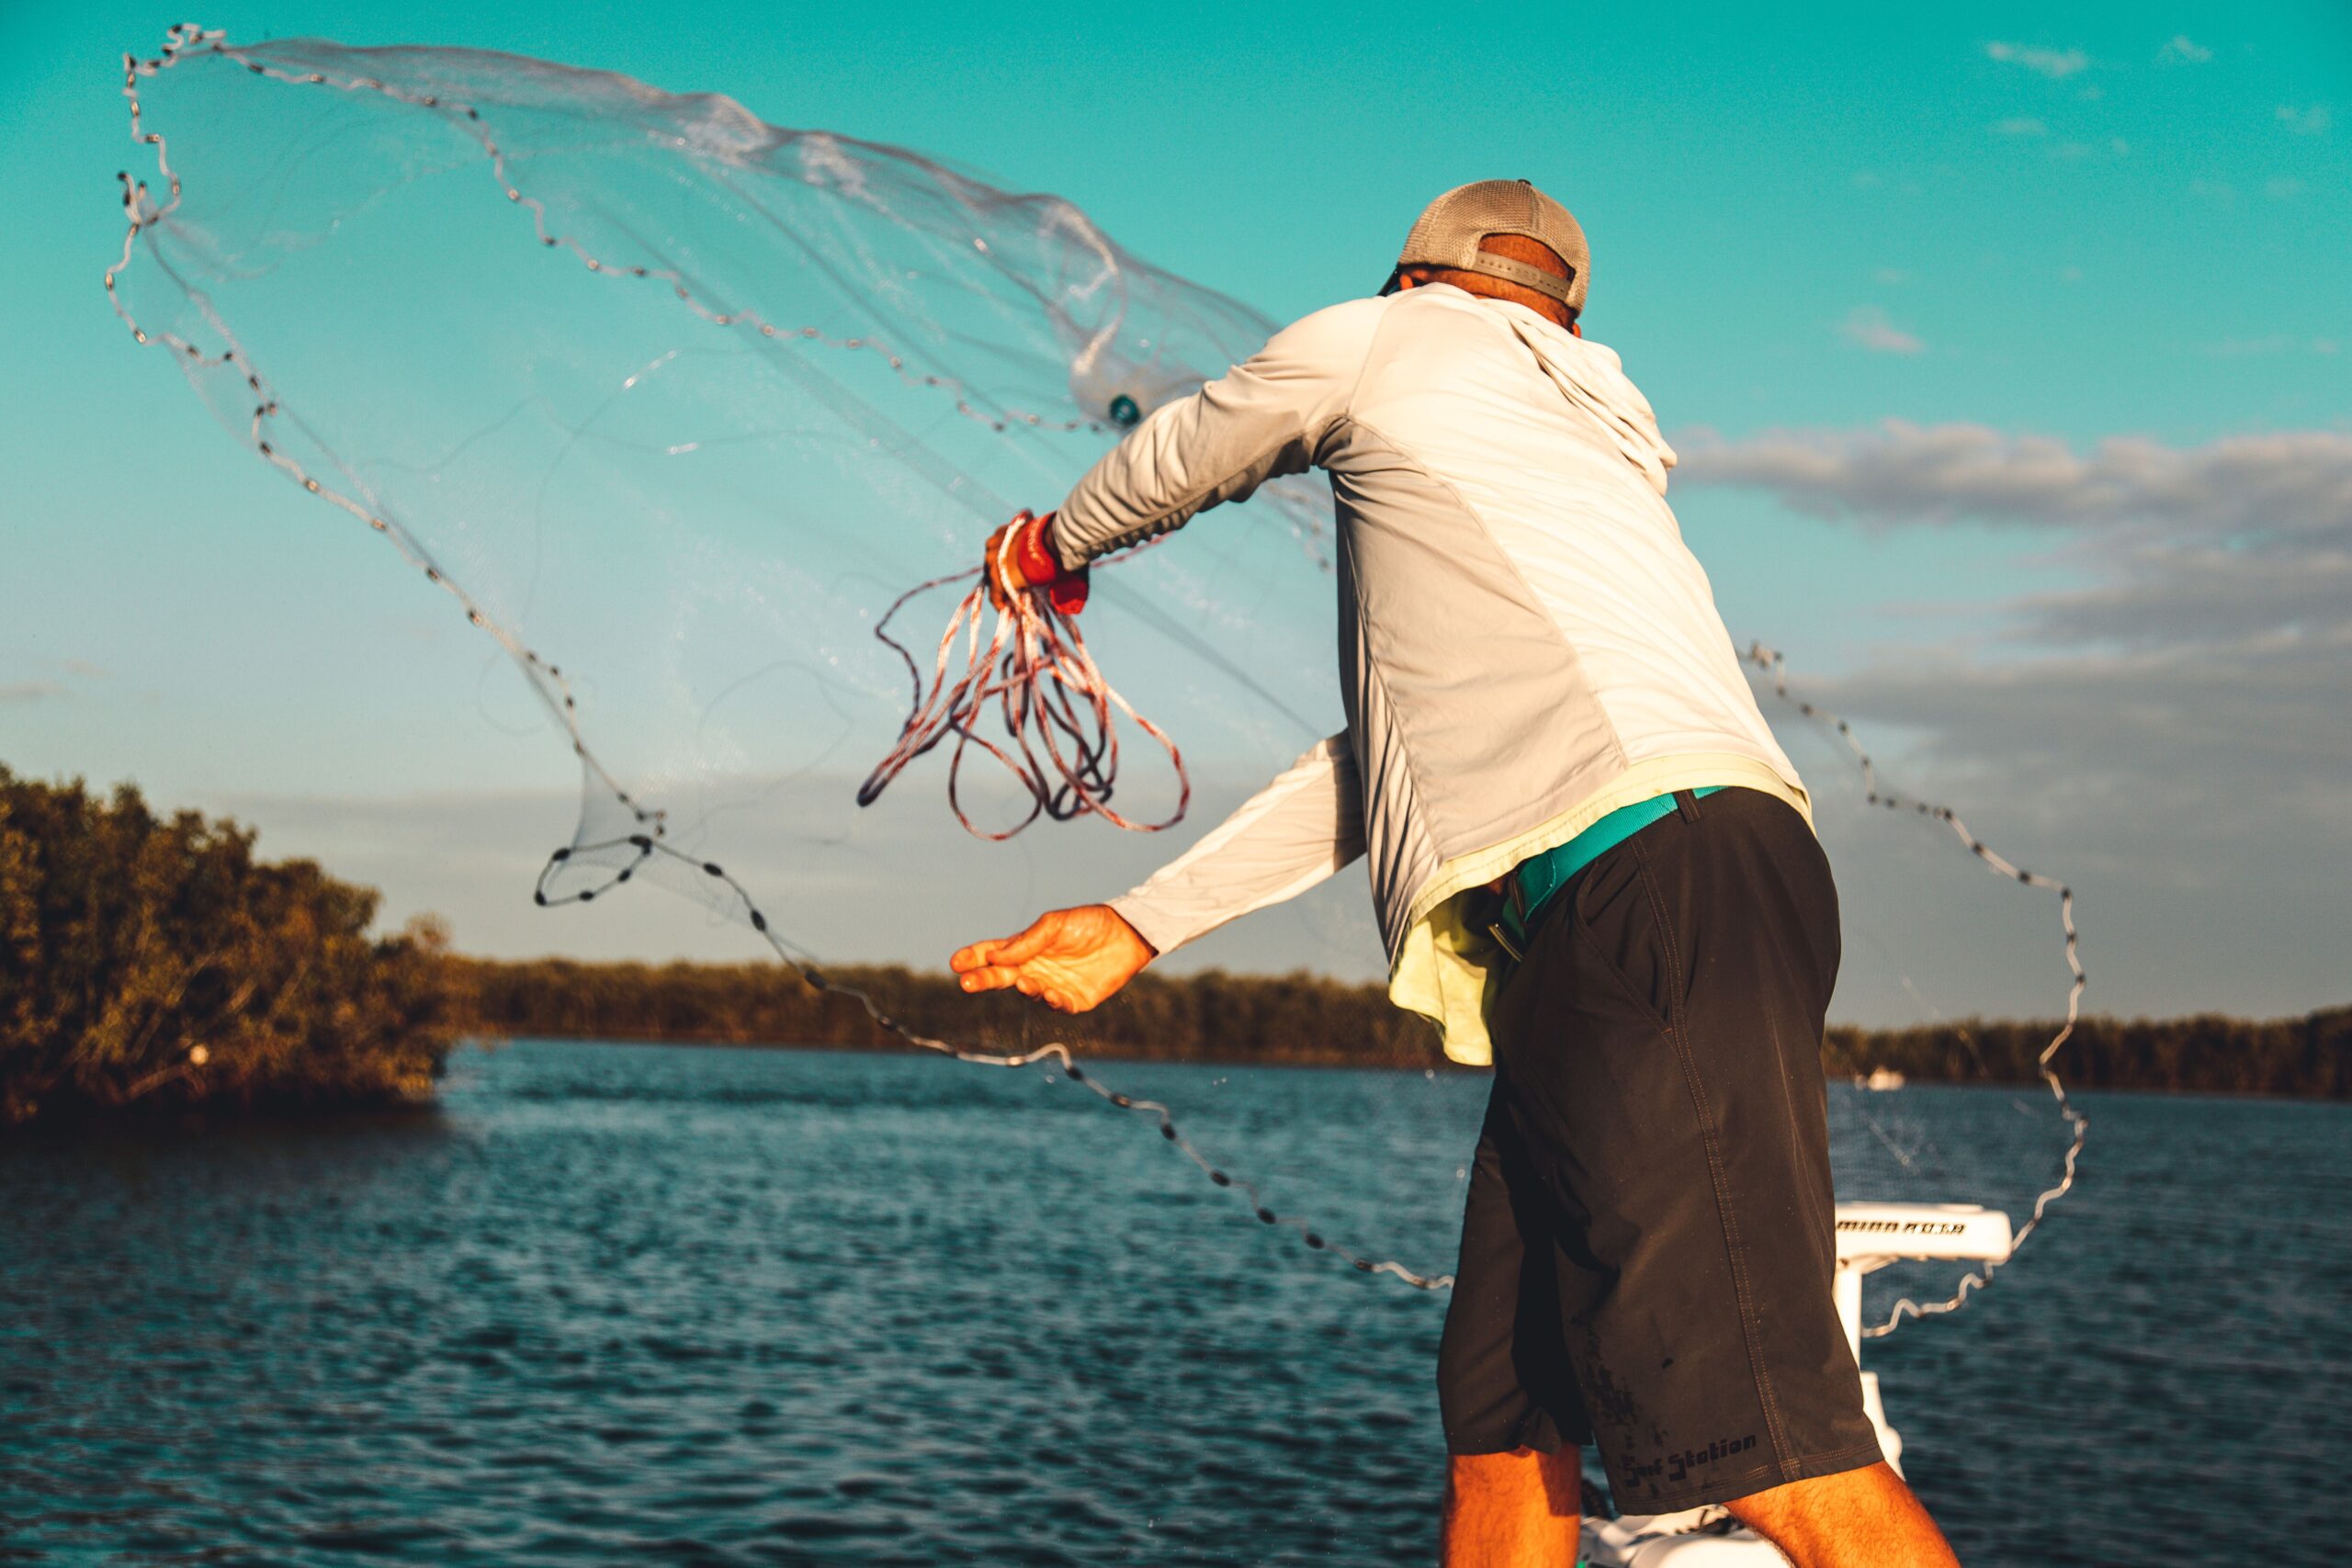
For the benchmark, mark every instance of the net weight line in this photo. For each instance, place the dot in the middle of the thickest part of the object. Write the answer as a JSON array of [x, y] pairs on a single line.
[[1773, 664], [808, 969], [187, 40], [549, 683]]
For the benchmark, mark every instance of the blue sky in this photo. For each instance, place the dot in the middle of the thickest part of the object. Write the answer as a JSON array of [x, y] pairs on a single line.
[[2017, 232]]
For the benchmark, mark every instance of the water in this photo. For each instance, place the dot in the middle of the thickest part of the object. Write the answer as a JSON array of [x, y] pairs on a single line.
[[635, 1305]]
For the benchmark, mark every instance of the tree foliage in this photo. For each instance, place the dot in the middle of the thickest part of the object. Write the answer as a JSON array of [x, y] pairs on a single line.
[[150, 962], [154, 962], [1212, 1016], [1304, 1019], [2311, 1058]]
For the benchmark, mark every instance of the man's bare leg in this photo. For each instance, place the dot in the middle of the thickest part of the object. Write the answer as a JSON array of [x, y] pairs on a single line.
[[1513, 1510], [1858, 1516]]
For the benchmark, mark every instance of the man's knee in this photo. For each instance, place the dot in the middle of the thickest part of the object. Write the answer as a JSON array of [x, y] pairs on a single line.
[[1522, 1477], [1517, 1508], [1864, 1516], [1819, 1498]]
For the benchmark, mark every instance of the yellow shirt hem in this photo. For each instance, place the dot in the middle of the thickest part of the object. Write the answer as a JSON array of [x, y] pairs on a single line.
[[1446, 972]]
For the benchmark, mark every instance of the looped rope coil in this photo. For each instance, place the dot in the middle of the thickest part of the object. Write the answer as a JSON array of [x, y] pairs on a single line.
[[1058, 711]]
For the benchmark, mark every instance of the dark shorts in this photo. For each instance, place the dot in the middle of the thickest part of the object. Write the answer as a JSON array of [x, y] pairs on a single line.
[[1649, 1241]]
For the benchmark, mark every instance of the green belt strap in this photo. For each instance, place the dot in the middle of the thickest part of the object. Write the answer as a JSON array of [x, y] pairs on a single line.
[[1540, 876]]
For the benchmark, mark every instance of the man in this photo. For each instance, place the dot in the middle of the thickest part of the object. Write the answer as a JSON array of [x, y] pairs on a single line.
[[1593, 866]]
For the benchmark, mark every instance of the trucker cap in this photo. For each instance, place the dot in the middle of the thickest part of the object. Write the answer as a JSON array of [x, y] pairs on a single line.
[[1449, 229]]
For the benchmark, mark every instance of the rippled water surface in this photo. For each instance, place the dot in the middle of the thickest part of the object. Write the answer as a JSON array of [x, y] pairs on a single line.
[[635, 1305]]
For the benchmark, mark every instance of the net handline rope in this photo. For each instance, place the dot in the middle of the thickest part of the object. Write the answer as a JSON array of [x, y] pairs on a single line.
[[548, 682], [1035, 670], [1874, 794]]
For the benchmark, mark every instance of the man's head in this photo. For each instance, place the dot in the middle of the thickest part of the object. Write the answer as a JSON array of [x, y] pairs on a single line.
[[1500, 240]]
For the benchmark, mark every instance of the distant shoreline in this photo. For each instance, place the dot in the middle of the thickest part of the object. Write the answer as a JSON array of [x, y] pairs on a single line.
[[157, 967], [1128, 1058], [1303, 1020]]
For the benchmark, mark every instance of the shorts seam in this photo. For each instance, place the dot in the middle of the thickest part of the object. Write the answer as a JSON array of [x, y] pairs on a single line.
[[1678, 1032], [1545, 1427], [1810, 1467]]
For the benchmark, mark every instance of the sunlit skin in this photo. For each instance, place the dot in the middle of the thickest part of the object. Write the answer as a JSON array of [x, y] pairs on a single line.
[[1856, 1517], [1071, 960], [1511, 247], [1519, 1509], [1003, 572]]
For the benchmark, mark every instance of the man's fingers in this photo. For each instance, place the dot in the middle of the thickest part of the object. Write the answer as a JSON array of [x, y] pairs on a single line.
[[1015, 948], [992, 566], [1027, 946], [994, 965]]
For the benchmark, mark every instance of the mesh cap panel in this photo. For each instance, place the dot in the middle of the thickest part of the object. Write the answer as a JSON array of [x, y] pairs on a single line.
[[1449, 229]]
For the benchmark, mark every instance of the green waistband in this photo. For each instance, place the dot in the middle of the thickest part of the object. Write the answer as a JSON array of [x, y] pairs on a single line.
[[1540, 876]]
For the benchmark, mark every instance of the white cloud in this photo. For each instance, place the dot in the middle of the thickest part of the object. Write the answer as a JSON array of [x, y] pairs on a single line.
[[2019, 125], [2272, 342], [2184, 50], [2247, 347], [2289, 483], [2309, 121], [2053, 63], [1891, 275], [2282, 188], [1869, 326], [2170, 722], [2077, 151]]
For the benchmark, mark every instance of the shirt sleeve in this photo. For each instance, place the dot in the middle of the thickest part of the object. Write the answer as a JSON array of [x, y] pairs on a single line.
[[1290, 835], [1264, 417]]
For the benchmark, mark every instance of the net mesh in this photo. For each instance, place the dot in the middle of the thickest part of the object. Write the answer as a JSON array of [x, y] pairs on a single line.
[[676, 405]]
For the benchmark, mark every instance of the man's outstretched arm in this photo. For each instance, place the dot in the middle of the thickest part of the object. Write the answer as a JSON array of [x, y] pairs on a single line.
[[1285, 839], [1264, 417]]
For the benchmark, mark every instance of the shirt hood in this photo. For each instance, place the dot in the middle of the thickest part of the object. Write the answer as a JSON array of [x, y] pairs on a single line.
[[1592, 377]]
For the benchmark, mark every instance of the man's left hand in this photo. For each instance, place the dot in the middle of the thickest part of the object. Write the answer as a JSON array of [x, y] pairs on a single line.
[[1071, 960]]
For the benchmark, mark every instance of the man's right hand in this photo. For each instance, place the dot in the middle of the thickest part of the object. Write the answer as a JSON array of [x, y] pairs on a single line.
[[1000, 559], [1073, 960], [1019, 556]]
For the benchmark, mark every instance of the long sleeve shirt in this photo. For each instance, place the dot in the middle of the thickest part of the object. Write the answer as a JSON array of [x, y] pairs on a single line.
[[1526, 643]]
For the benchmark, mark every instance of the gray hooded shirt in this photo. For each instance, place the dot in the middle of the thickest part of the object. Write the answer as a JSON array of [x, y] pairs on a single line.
[[1526, 644]]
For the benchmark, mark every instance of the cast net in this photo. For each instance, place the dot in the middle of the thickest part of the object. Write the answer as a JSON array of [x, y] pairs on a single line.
[[677, 407]]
